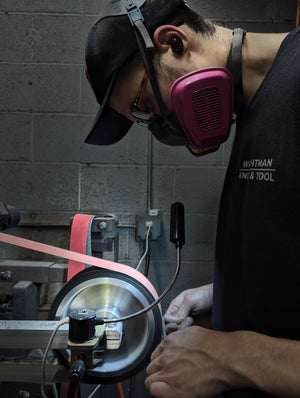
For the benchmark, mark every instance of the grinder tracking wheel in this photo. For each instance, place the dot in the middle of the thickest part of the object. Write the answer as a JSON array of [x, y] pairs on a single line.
[[112, 294]]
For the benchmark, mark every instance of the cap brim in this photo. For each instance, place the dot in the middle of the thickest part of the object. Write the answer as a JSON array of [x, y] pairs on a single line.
[[109, 126]]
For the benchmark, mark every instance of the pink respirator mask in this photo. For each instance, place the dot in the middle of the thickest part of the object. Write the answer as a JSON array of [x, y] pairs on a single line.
[[203, 101]]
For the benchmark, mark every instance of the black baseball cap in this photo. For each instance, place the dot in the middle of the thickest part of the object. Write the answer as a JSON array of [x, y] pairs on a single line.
[[121, 27]]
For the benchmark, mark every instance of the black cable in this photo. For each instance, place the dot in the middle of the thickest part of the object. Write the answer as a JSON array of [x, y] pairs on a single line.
[[147, 261], [75, 375], [131, 386]]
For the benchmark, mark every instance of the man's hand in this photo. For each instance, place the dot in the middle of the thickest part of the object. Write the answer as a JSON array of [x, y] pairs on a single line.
[[201, 363], [191, 307], [191, 363]]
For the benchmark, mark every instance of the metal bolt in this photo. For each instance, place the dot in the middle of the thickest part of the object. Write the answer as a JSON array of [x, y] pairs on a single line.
[[5, 275], [102, 225], [4, 307]]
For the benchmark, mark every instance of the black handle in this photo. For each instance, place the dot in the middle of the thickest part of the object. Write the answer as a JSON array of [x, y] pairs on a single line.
[[9, 217], [177, 235]]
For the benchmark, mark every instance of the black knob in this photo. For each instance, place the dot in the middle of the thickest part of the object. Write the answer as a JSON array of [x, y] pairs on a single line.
[[177, 234], [82, 325]]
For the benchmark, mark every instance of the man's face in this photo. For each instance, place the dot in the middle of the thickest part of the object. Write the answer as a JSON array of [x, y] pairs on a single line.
[[169, 66], [134, 88]]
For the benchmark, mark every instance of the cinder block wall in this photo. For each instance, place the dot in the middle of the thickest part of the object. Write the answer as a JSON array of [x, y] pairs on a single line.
[[49, 174]]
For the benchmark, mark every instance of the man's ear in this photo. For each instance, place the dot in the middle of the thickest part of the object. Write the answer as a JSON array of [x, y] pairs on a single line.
[[171, 38]]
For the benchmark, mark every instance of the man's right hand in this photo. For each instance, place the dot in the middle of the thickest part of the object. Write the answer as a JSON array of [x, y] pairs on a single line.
[[191, 307]]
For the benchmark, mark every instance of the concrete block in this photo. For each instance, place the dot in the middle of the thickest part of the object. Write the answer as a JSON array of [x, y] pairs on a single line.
[[134, 249], [60, 38], [199, 189], [40, 187], [118, 153], [39, 88], [16, 38], [73, 6], [54, 133], [163, 187], [53, 219], [15, 136], [113, 189], [235, 9], [91, 7], [181, 156], [138, 138], [57, 38]]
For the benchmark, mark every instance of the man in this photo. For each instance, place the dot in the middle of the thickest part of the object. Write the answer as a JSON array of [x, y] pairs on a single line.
[[141, 58]]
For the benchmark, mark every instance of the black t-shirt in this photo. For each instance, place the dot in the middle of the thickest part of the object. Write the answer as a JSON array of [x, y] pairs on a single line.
[[257, 270]]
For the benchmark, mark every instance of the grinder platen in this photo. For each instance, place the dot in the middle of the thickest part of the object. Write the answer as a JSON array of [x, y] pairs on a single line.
[[112, 294]]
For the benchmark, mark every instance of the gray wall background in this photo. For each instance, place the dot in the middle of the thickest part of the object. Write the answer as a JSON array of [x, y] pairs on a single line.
[[49, 174]]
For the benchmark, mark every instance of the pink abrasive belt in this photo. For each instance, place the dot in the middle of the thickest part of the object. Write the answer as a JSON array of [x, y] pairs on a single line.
[[77, 260]]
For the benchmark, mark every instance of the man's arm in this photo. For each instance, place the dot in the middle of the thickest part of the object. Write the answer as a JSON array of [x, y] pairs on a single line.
[[196, 362]]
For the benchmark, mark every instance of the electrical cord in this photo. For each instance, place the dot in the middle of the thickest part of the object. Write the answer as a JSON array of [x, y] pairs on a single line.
[[53, 385], [54, 390], [59, 324], [157, 301], [147, 262], [120, 390], [94, 391], [146, 249], [131, 387]]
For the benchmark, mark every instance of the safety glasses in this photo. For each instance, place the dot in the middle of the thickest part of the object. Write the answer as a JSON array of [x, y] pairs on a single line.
[[143, 118]]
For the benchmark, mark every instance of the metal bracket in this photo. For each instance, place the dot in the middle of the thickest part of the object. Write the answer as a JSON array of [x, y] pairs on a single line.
[[22, 335], [105, 236]]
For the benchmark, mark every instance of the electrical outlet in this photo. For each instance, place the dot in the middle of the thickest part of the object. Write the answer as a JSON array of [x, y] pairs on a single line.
[[142, 223]]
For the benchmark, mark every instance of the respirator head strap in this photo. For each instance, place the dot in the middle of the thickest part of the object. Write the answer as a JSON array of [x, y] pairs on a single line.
[[147, 49], [147, 56], [234, 61]]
